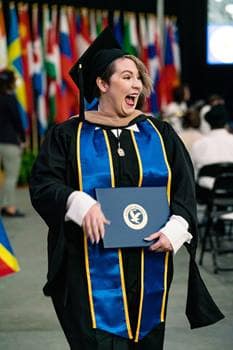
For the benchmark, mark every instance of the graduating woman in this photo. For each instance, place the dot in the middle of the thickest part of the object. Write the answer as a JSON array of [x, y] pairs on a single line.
[[114, 299]]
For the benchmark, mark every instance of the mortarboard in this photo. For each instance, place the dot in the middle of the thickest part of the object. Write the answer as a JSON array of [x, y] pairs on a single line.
[[93, 63]]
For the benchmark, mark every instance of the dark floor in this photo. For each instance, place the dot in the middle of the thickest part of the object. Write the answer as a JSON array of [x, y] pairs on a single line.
[[27, 319]]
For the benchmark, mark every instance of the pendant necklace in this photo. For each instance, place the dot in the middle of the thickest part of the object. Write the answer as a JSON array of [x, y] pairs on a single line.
[[120, 150]]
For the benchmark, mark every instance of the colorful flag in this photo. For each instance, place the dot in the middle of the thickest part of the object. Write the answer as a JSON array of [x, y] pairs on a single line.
[[93, 25], [143, 38], [154, 61], [169, 75], [117, 28], [175, 46], [39, 83], [71, 15], [15, 62], [27, 56], [3, 42], [131, 41], [52, 62], [68, 92], [8, 261], [83, 31]]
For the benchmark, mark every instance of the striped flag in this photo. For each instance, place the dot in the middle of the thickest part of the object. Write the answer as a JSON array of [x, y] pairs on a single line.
[[101, 20], [8, 261], [169, 74], [39, 83], [52, 62], [27, 56], [71, 15], [143, 39], [3, 42], [15, 62], [83, 31], [68, 92], [154, 61], [131, 41]]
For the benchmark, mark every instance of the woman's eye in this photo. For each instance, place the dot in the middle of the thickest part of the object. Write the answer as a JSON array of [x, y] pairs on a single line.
[[127, 77]]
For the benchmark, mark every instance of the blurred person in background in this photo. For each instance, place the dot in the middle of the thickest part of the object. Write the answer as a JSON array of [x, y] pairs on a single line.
[[12, 141], [191, 128], [215, 147], [213, 100], [173, 112]]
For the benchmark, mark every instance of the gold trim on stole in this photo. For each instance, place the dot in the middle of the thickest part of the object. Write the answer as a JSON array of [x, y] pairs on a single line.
[[142, 250], [86, 257], [162, 314]]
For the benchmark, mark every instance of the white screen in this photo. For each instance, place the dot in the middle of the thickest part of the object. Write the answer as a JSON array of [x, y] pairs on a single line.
[[220, 32]]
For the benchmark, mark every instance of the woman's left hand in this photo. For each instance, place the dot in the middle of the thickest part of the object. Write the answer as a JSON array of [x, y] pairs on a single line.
[[162, 243]]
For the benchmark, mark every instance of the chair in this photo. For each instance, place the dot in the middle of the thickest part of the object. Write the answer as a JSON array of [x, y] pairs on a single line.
[[218, 233], [211, 171], [202, 193]]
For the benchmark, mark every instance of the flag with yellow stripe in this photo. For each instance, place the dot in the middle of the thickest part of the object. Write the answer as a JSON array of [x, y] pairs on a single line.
[[8, 261], [15, 62]]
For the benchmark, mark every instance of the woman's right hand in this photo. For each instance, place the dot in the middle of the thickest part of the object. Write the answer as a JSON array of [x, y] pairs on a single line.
[[93, 223]]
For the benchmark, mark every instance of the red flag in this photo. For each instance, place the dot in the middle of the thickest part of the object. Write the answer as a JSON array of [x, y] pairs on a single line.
[[169, 74], [68, 90]]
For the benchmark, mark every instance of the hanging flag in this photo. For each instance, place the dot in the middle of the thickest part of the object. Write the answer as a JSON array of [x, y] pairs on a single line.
[[15, 62], [93, 24], [131, 41], [143, 39], [175, 46], [3, 42], [71, 15], [8, 261], [68, 92], [169, 74], [39, 83], [154, 61], [117, 28], [101, 20], [52, 62], [27, 56], [104, 19], [83, 31]]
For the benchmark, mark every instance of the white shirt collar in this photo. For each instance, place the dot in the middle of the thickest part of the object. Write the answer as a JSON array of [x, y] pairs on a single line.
[[133, 127]]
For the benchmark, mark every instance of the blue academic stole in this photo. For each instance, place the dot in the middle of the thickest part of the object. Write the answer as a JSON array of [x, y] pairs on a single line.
[[104, 267]]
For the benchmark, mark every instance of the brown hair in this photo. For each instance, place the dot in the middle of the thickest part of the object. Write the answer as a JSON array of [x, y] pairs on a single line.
[[143, 73]]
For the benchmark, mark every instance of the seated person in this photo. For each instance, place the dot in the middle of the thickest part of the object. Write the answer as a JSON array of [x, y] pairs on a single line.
[[216, 147], [191, 125]]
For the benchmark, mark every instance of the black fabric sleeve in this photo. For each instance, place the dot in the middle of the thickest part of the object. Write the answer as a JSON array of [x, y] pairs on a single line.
[[48, 183], [183, 195]]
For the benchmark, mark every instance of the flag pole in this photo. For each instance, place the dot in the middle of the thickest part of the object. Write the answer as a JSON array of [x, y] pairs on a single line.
[[160, 24]]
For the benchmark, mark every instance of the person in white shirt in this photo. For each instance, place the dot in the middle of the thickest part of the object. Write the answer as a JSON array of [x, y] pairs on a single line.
[[215, 147]]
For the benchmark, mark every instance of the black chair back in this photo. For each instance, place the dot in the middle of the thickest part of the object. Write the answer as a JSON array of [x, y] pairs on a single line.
[[211, 170]]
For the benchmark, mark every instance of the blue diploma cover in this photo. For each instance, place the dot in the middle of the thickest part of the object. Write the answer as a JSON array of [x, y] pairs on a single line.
[[134, 213]]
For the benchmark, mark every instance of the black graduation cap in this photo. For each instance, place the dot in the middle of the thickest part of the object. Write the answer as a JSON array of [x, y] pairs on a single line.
[[93, 63]]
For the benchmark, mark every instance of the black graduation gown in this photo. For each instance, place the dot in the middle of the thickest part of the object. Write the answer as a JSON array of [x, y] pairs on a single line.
[[53, 179]]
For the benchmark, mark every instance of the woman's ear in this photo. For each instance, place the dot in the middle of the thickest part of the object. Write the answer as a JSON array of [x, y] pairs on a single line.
[[102, 85]]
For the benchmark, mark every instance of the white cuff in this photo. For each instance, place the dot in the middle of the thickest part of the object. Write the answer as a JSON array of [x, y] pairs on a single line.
[[176, 230], [78, 204]]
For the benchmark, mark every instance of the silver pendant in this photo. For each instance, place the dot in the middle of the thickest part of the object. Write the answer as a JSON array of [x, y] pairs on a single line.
[[120, 152]]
